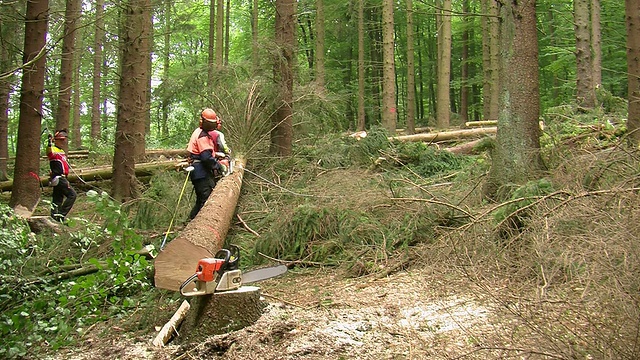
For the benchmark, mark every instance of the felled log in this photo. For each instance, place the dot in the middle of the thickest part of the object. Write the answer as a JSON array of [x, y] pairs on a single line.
[[466, 148], [168, 330], [481, 123], [101, 173], [446, 135], [203, 236]]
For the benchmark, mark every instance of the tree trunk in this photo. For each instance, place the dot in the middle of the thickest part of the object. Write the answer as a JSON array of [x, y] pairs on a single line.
[[585, 93], [254, 35], [319, 45], [211, 47], [26, 194], [446, 135], [203, 236], [103, 173], [226, 32], [389, 110], [220, 34], [464, 71], [490, 60], [361, 112], [282, 133], [516, 157], [97, 72], [8, 61], [632, 11], [76, 135], [443, 104], [596, 44], [411, 72], [166, 63], [132, 100], [71, 16]]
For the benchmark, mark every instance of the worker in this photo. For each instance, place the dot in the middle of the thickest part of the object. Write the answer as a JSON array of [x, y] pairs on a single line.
[[63, 194], [202, 148], [222, 150]]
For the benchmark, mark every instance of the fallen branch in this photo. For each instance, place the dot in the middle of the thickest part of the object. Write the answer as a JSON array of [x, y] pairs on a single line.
[[247, 226], [167, 331]]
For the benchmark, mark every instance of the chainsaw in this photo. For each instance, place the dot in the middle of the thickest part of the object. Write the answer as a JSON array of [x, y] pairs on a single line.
[[220, 273]]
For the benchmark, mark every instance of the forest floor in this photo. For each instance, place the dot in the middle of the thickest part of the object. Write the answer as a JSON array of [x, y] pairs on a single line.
[[318, 314]]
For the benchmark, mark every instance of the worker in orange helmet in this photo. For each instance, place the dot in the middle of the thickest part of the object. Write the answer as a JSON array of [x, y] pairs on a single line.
[[64, 196], [202, 148]]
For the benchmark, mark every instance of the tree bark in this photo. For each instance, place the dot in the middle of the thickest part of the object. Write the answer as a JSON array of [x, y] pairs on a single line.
[[585, 92], [361, 74], [596, 43], [319, 63], [26, 194], [632, 11], [443, 104], [220, 34], [516, 156], [71, 16], [255, 59], [389, 110], [411, 72], [282, 133], [7, 62], [132, 99], [97, 72], [203, 236], [211, 46], [446, 135]]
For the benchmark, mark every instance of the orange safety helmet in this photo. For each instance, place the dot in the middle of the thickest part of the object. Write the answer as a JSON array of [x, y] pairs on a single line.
[[60, 134], [208, 119]]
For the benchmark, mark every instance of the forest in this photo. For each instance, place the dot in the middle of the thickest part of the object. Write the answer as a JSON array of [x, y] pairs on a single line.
[[532, 216]]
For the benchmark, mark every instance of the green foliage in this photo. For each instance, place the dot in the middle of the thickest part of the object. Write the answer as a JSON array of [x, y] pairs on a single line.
[[38, 307], [427, 161], [523, 196]]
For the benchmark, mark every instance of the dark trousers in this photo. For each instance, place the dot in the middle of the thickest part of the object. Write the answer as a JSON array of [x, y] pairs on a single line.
[[203, 188], [63, 198]]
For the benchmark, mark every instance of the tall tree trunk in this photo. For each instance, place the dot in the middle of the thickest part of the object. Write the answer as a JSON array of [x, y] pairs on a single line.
[[443, 104], [76, 134], [319, 63], [516, 156], [132, 99], [361, 75], [72, 14], [97, 72], [254, 36], [596, 43], [220, 34], [227, 22], [7, 62], [411, 72], [165, 102], [26, 192], [282, 133], [211, 46], [376, 59], [464, 71], [490, 60], [144, 126], [632, 12], [585, 93], [389, 110]]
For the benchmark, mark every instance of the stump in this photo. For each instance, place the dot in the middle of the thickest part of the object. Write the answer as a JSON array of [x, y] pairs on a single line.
[[221, 313]]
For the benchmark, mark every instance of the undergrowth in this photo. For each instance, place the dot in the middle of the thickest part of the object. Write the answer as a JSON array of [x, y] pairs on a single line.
[[47, 303]]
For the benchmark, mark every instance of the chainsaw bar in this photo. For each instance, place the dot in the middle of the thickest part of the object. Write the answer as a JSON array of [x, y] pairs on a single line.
[[263, 274]]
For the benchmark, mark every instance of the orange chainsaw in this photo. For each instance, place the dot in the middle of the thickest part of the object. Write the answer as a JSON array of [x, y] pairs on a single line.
[[221, 273]]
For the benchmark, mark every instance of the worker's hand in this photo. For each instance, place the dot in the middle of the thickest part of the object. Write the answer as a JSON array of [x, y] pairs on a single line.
[[223, 168]]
